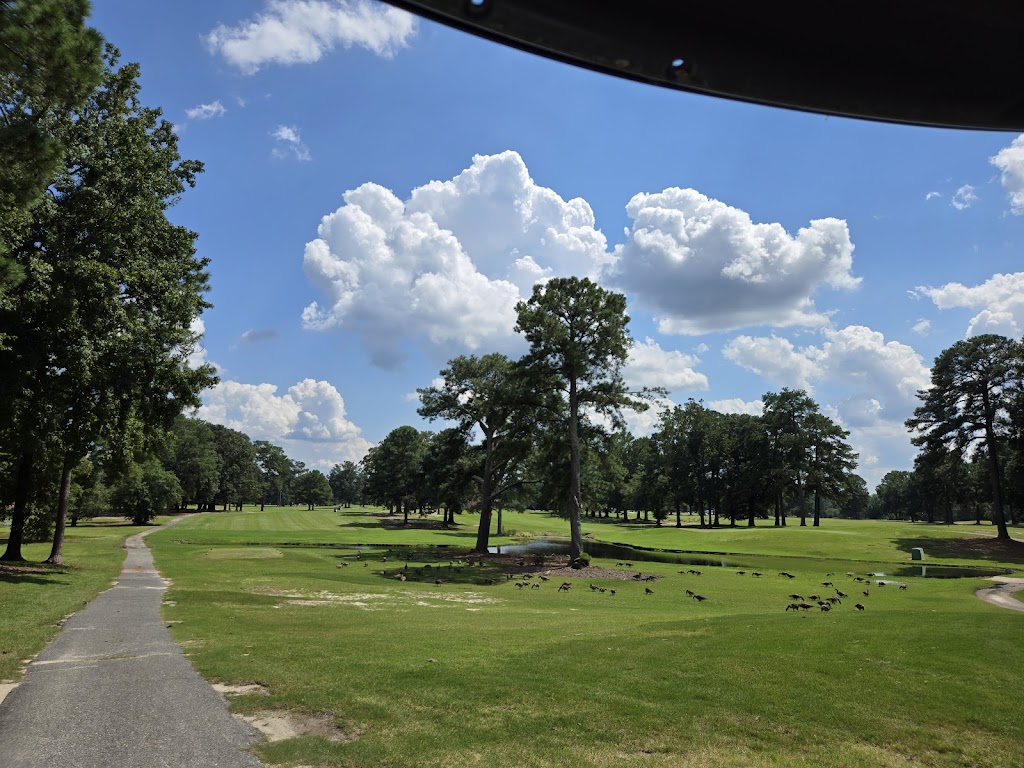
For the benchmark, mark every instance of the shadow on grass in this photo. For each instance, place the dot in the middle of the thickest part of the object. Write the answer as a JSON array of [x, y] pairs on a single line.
[[31, 573], [967, 548]]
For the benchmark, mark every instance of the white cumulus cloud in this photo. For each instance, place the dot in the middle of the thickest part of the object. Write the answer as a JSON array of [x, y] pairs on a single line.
[[651, 366], [1010, 161], [303, 31], [776, 359], [874, 384], [309, 421], [701, 265], [205, 111], [1000, 300], [922, 326], [446, 267]]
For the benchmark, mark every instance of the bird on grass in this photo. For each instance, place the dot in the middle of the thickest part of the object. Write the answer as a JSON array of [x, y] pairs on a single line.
[[796, 597], [859, 607], [566, 586], [699, 598], [648, 590], [755, 573], [438, 582], [841, 593], [690, 593], [903, 586], [793, 607], [827, 584], [612, 591], [866, 593]]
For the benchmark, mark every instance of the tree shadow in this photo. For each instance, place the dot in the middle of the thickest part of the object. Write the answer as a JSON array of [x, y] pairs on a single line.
[[30, 573], [967, 548]]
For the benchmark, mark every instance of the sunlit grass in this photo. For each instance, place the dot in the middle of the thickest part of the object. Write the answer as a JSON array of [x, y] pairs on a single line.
[[467, 673]]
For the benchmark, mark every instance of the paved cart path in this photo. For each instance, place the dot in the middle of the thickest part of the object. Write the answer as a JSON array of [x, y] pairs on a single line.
[[1003, 594], [113, 690]]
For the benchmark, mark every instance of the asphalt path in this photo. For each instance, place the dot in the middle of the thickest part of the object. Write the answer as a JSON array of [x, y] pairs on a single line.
[[1003, 594], [113, 690]]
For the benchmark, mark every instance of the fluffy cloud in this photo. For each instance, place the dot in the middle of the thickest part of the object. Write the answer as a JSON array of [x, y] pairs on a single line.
[[1000, 300], [303, 31], [774, 358], [856, 359], [309, 421], [964, 197], [447, 266], [651, 366], [702, 265], [1010, 160], [874, 384], [290, 144], [205, 111], [921, 327]]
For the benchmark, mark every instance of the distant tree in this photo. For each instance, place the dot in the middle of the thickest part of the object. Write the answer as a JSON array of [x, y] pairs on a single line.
[[787, 417], [144, 490], [346, 483], [578, 344], [855, 505], [494, 395], [193, 458], [745, 465], [312, 489], [274, 469], [239, 477], [830, 461], [975, 383], [394, 469], [449, 467]]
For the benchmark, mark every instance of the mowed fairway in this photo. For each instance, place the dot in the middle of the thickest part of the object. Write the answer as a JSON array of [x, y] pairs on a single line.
[[475, 673]]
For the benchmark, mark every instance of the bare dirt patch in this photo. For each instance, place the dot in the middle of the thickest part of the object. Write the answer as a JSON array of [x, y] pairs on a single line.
[[240, 690], [278, 726]]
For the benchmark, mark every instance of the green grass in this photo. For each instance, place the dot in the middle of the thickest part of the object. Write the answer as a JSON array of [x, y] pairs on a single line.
[[34, 598], [473, 674]]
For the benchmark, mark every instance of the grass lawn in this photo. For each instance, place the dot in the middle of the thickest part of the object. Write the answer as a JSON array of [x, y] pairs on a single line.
[[475, 673], [34, 598]]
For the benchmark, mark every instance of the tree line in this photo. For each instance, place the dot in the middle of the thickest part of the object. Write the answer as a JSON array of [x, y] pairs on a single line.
[[970, 431]]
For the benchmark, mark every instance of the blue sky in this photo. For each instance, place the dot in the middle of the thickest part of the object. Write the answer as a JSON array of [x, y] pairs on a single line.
[[380, 190]]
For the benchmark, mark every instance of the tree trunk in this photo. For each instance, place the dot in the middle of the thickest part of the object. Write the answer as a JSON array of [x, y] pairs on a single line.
[[800, 502], [57, 550], [405, 511], [993, 465], [575, 507], [26, 464], [750, 517], [679, 519], [817, 507], [778, 511], [501, 530]]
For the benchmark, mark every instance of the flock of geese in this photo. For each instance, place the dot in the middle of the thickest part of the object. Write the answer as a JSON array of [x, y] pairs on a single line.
[[798, 602]]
